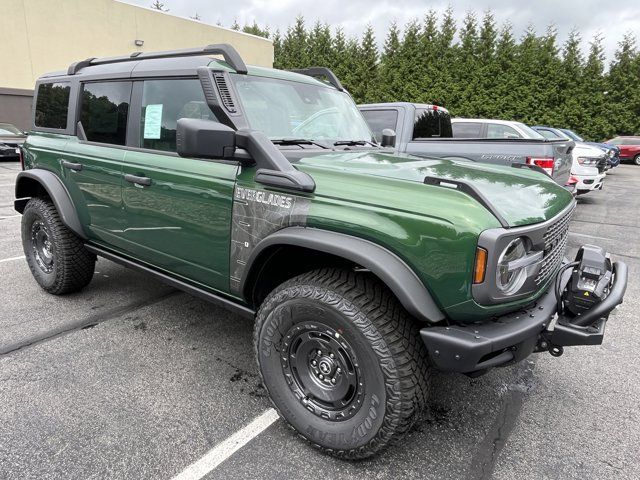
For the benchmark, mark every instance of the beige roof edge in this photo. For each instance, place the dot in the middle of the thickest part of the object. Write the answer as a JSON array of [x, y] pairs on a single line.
[[258, 37]]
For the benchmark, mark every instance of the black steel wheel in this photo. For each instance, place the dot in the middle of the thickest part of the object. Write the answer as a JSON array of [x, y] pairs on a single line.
[[55, 255], [342, 361]]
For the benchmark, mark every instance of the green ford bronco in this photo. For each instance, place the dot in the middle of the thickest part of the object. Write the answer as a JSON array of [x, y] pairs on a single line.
[[264, 191]]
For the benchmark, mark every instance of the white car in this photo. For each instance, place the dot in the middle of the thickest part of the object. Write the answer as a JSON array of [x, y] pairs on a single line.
[[588, 168]]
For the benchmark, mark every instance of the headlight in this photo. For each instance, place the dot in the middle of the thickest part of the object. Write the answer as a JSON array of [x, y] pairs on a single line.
[[587, 161], [511, 273]]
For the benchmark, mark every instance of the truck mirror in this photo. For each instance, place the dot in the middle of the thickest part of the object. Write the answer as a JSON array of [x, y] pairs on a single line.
[[199, 138], [388, 138]]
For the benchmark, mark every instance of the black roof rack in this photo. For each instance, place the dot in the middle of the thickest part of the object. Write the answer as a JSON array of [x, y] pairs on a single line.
[[230, 54], [321, 72], [470, 190]]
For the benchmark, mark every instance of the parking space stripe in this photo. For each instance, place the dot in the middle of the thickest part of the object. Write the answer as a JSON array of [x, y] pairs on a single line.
[[228, 447], [11, 259]]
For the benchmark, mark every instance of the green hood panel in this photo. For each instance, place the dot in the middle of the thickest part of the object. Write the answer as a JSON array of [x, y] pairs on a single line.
[[522, 196]]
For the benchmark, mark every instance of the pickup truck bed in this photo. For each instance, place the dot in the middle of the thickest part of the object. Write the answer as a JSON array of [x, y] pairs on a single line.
[[412, 121]]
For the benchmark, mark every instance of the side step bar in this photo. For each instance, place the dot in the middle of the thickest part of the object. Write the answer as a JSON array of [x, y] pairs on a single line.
[[175, 282]]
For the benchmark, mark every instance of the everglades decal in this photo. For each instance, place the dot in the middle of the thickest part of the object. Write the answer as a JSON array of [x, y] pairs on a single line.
[[256, 214]]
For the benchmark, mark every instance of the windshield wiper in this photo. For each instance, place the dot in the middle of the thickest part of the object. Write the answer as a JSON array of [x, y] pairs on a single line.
[[352, 143], [297, 141]]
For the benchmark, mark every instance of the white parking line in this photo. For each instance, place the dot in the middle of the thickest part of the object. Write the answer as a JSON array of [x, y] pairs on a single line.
[[228, 447], [21, 257]]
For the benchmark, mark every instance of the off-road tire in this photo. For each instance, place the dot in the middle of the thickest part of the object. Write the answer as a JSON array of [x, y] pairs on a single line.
[[636, 159], [72, 265], [385, 341]]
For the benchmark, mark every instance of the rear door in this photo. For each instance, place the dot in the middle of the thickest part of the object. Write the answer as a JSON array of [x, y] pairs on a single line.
[[92, 163], [177, 210]]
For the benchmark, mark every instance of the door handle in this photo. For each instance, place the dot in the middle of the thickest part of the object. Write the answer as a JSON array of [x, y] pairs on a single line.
[[76, 167], [146, 181]]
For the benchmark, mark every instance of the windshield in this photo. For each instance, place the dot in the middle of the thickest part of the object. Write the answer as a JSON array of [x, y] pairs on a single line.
[[571, 135], [284, 109], [528, 131], [8, 129]]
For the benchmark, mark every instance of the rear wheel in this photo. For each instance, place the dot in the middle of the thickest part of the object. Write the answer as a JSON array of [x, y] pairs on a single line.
[[342, 361], [56, 256], [636, 160]]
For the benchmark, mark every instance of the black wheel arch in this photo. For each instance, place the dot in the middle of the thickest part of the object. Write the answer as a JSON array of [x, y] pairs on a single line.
[[38, 182], [345, 249]]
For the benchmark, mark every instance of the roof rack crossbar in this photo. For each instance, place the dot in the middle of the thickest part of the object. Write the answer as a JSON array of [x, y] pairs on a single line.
[[321, 72], [230, 55]]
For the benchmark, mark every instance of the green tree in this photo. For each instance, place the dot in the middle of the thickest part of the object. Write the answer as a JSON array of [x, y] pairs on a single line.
[[389, 67], [623, 85]]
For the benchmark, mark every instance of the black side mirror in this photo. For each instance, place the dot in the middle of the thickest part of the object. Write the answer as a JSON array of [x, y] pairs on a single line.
[[198, 138], [388, 138]]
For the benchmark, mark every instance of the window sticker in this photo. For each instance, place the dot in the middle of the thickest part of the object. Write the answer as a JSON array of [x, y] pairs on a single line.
[[152, 121]]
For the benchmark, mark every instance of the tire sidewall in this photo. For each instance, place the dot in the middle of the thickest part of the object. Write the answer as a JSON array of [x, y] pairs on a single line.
[[636, 159], [288, 308], [31, 214]]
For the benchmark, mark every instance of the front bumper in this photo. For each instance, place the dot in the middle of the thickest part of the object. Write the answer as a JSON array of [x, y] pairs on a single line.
[[587, 183], [476, 347]]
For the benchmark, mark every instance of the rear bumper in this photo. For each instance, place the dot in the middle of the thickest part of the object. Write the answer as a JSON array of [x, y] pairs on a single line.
[[513, 337]]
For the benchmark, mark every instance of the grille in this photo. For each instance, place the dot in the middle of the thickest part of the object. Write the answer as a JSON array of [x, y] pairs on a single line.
[[555, 244], [225, 94]]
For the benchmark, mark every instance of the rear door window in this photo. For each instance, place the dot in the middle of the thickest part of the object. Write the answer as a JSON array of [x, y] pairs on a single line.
[[467, 130], [163, 103], [431, 123], [52, 105], [496, 130], [378, 120], [104, 111]]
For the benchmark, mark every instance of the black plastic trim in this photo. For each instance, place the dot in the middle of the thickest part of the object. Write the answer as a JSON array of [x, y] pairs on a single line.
[[470, 190], [56, 191], [174, 282], [387, 266]]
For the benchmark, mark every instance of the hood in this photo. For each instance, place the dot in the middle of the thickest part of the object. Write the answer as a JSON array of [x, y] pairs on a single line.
[[582, 149], [520, 196]]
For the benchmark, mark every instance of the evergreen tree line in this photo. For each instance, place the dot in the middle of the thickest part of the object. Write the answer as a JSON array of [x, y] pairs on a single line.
[[477, 69]]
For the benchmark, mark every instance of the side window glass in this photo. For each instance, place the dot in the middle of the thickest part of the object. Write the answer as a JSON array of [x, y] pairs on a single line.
[[163, 103], [430, 123], [52, 105], [378, 120], [466, 129], [495, 130], [104, 111]]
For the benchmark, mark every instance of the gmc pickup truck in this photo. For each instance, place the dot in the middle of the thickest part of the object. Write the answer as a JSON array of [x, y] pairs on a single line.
[[426, 130]]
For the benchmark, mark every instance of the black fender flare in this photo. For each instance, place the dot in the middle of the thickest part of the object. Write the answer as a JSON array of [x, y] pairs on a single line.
[[56, 190], [387, 266]]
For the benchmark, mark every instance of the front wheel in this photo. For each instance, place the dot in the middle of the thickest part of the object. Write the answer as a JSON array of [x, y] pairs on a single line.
[[342, 361], [55, 255]]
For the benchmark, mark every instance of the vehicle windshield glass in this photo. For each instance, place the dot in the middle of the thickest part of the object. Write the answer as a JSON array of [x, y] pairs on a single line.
[[284, 109], [528, 131], [8, 129], [572, 135]]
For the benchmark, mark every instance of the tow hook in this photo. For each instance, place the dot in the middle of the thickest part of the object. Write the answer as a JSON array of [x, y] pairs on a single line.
[[554, 350]]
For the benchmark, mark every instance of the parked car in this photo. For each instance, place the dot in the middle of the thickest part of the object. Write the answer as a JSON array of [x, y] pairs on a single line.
[[428, 131], [629, 148], [11, 138], [611, 150], [613, 153], [587, 168], [603, 161], [364, 269]]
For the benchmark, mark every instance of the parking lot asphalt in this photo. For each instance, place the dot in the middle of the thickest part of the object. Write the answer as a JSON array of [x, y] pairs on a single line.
[[132, 379]]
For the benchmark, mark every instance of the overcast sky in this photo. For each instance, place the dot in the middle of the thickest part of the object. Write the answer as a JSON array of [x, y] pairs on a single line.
[[612, 18]]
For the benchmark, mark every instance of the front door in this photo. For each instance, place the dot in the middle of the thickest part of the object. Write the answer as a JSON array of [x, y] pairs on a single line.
[[177, 211]]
